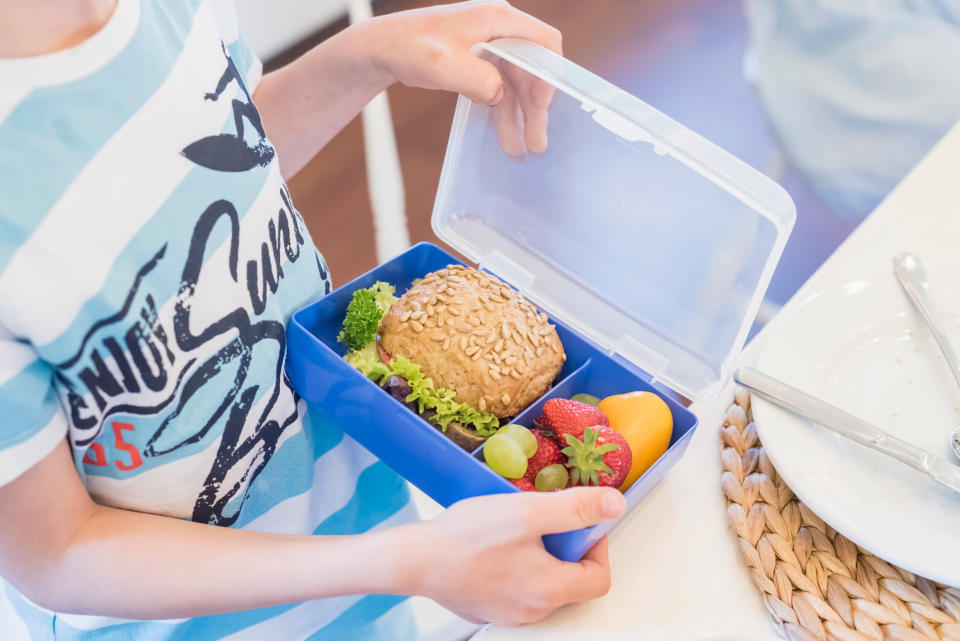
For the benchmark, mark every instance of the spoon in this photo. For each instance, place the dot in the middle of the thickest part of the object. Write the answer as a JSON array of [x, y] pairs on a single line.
[[912, 277]]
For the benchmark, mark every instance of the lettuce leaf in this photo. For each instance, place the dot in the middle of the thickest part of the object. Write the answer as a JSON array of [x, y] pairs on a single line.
[[441, 400], [383, 295], [368, 361]]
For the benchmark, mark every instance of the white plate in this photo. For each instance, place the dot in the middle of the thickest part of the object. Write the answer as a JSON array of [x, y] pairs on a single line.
[[863, 348]]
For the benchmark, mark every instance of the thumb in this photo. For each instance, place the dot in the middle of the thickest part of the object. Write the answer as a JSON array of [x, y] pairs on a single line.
[[477, 79], [572, 509]]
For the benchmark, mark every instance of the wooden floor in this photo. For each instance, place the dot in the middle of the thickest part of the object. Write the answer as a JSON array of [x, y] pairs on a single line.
[[682, 56]]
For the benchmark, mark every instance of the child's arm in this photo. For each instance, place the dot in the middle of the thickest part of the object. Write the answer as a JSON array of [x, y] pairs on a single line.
[[304, 104], [482, 558]]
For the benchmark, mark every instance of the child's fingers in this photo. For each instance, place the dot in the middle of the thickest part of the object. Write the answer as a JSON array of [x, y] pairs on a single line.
[[537, 114], [532, 94], [590, 578], [505, 21], [571, 509], [542, 92], [475, 78], [481, 82], [534, 102], [599, 553], [508, 121]]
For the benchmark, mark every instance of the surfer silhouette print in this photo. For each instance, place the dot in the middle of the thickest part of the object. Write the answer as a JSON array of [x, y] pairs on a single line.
[[226, 151]]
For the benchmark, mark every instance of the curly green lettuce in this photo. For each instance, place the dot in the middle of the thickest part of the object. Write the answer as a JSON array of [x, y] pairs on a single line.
[[441, 400], [366, 308]]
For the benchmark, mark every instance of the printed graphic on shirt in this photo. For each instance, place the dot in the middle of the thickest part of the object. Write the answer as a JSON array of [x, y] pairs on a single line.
[[229, 152], [164, 382]]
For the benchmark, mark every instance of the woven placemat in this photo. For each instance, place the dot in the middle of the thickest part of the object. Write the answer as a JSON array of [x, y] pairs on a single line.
[[816, 584]]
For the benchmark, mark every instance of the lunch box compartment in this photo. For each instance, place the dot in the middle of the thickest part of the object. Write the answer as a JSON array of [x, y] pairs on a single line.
[[416, 449], [602, 377]]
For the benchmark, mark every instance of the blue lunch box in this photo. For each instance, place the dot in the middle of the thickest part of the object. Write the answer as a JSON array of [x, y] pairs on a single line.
[[648, 247], [418, 450]]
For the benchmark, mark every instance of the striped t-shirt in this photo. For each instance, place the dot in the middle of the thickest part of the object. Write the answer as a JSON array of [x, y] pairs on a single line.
[[150, 258]]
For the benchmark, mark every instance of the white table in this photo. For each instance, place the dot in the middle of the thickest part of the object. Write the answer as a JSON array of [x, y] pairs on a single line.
[[676, 571]]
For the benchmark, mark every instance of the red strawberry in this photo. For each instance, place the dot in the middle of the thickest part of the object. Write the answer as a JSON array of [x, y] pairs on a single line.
[[548, 453], [524, 484], [564, 416], [599, 456]]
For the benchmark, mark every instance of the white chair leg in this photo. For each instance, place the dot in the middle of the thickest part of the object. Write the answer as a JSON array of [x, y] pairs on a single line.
[[384, 178]]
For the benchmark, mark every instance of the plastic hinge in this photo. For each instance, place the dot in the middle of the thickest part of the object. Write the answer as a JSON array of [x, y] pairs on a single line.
[[639, 354], [617, 124], [507, 270], [632, 132]]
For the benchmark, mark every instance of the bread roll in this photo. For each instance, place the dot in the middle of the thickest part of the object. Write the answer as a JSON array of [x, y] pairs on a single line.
[[473, 334]]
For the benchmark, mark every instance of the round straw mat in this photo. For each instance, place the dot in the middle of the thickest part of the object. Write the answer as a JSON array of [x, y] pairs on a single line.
[[816, 584]]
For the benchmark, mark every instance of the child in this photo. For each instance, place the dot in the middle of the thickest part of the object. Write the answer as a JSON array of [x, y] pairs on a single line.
[[150, 256]]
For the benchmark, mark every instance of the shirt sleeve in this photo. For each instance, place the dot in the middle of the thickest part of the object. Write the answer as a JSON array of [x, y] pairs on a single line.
[[32, 422], [231, 32]]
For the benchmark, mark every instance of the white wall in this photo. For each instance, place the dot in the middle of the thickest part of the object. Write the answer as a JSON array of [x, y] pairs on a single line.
[[274, 25]]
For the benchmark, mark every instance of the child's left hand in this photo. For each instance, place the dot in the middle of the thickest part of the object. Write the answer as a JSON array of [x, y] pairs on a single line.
[[431, 48]]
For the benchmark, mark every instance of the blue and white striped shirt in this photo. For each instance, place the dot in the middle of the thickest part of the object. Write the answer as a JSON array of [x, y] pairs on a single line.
[[150, 258]]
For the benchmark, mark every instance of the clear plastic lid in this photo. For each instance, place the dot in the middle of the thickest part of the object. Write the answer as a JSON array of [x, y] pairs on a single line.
[[649, 240]]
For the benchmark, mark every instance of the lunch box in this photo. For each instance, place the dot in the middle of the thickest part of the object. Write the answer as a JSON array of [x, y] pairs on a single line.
[[647, 246]]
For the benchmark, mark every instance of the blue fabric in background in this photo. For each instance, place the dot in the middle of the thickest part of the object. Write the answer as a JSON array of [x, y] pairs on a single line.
[[857, 90]]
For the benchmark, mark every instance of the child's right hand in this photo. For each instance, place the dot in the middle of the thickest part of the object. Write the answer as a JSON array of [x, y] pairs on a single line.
[[304, 104], [433, 48], [484, 559]]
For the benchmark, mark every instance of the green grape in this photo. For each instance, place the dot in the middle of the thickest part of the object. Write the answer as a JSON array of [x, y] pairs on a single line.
[[524, 438], [505, 456], [589, 399], [552, 477]]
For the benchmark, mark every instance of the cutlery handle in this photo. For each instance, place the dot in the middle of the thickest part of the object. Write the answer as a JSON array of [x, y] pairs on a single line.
[[913, 279], [832, 418]]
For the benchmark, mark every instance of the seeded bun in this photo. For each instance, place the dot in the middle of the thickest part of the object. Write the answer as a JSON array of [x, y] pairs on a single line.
[[474, 335]]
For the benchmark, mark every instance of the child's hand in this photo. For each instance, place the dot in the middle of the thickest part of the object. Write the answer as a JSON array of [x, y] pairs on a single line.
[[304, 104], [486, 561], [482, 558], [431, 48]]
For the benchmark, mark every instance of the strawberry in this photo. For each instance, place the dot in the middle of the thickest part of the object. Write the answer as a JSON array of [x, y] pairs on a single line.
[[599, 456], [548, 453], [564, 416], [524, 484]]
